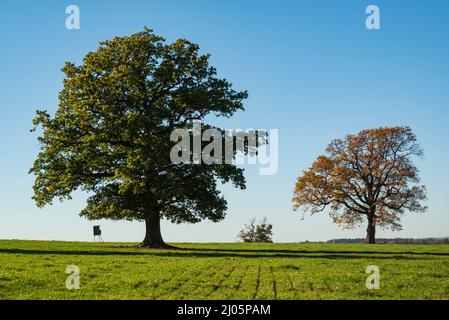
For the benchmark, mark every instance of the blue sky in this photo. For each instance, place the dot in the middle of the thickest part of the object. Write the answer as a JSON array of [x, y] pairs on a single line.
[[312, 70]]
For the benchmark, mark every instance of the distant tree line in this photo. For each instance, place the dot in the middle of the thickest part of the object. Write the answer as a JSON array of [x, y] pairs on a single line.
[[396, 241]]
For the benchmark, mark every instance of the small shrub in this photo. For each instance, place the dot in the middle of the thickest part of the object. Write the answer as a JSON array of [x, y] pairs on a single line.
[[253, 232]]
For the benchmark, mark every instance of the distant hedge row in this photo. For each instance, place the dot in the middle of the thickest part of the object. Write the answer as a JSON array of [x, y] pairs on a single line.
[[396, 241]]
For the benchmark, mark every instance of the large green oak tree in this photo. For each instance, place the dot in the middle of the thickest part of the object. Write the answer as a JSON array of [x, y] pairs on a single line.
[[110, 135]]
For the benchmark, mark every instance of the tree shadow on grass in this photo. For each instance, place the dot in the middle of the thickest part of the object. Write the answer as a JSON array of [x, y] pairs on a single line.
[[290, 251], [234, 253]]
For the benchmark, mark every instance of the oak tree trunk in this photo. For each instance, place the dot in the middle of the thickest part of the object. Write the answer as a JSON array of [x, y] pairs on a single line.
[[371, 230], [153, 237]]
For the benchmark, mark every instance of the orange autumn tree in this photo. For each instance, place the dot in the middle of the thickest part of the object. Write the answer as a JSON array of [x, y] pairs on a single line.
[[369, 176]]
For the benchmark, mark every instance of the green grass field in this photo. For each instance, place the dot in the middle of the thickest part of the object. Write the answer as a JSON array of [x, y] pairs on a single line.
[[36, 270]]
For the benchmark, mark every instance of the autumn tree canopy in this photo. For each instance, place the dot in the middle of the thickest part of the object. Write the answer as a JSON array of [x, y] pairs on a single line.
[[110, 135], [369, 175]]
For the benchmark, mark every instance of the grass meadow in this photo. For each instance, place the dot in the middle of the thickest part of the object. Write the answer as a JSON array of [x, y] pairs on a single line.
[[37, 270]]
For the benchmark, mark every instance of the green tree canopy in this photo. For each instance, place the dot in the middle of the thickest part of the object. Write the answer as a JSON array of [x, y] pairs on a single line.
[[110, 135]]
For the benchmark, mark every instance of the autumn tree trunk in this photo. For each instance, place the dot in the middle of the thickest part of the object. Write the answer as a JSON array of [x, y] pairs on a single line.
[[153, 236], [371, 230]]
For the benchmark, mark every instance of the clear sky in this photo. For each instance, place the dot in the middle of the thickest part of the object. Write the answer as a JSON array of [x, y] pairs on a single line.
[[312, 70]]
